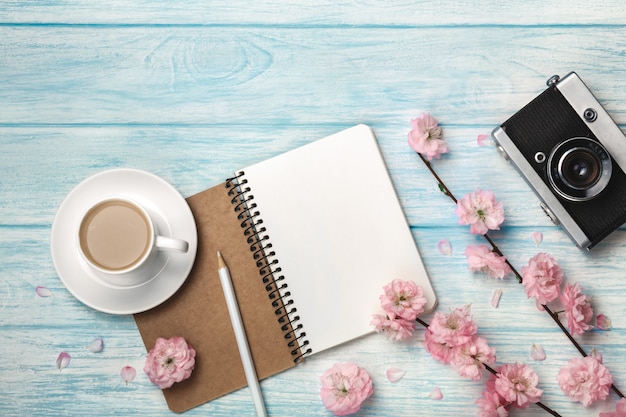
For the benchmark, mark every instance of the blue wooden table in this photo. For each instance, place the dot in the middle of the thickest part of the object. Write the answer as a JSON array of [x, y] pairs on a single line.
[[191, 91]]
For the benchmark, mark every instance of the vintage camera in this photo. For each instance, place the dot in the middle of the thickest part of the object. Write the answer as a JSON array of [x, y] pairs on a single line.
[[571, 153]]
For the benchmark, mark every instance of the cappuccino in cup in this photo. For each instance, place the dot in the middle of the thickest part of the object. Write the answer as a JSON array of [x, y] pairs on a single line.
[[118, 238], [115, 235]]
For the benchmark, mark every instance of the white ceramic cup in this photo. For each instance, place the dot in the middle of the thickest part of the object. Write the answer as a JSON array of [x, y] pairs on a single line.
[[121, 243]]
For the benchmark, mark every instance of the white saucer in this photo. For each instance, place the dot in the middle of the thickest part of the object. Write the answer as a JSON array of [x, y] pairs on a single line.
[[169, 211]]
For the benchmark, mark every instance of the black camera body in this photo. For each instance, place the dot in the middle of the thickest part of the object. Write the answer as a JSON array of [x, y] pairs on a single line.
[[571, 153]]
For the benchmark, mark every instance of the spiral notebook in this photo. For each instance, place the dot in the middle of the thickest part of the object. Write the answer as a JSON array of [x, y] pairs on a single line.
[[311, 237]]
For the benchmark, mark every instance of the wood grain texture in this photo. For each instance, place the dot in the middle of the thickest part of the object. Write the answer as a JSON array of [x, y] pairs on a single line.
[[228, 75], [192, 91], [324, 12]]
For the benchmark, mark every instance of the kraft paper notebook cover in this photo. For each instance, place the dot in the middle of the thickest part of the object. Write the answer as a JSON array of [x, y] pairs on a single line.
[[318, 228]]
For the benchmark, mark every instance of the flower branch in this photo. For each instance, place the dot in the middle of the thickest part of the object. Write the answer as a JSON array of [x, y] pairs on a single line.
[[555, 317], [453, 339], [446, 191], [495, 373], [542, 277], [442, 186], [538, 403], [497, 250]]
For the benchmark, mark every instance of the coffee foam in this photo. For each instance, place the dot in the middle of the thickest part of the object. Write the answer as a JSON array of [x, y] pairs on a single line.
[[115, 235]]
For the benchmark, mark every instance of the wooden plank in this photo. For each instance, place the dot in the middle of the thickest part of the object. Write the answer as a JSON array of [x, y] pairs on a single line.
[[281, 76], [326, 12]]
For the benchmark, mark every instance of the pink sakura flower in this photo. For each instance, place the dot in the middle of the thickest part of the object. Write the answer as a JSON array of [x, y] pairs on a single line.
[[453, 329], [169, 361], [482, 259], [492, 404], [447, 332], [403, 299], [344, 388], [585, 380], [577, 309], [481, 211], [469, 359], [395, 329], [426, 137], [542, 278], [517, 384], [619, 412], [439, 351]]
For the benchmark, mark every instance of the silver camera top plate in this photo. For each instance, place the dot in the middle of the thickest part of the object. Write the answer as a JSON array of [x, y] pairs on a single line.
[[606, 130]]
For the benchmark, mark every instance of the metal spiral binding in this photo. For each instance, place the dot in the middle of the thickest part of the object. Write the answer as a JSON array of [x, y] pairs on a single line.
[[268, 265]]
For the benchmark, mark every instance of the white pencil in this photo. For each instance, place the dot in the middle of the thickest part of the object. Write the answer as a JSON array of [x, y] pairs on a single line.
[[240, 335]]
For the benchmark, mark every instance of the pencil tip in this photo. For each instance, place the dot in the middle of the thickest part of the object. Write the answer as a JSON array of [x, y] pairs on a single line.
[[220, 260]]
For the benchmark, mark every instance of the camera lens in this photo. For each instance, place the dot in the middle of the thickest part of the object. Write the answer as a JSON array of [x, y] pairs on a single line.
[[579, 169]]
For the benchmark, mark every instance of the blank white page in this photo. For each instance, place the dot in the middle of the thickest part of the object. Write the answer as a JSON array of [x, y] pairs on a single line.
[[339, 233]]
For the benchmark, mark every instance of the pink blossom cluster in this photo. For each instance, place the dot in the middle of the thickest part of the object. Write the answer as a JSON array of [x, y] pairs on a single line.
[[482, 259], [543, 278], [480, 210], [402, 301], [585, 379], [452, 339], [577, 309], [344, 388], [513, 386], [426, 137], [170, 361]]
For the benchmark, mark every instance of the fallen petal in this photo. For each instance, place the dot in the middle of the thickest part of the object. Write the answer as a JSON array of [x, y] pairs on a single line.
[[395, 374], [43, 291], [537, 237], [96, 346], [436, 394], [483, 140], [495, 298], [603, 322], [444, 246], [128, 373], [537, 352], [63, 360], [596, 354]]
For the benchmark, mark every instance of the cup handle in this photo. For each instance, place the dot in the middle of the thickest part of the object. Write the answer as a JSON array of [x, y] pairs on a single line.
[[171, 244]]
